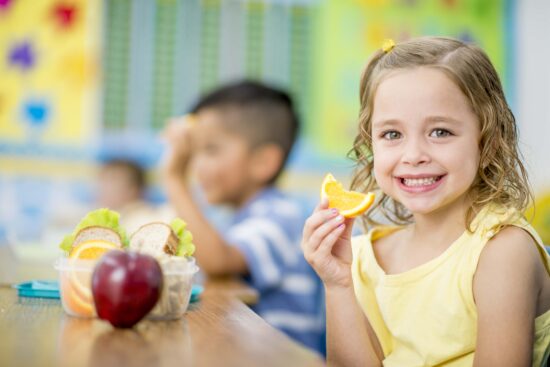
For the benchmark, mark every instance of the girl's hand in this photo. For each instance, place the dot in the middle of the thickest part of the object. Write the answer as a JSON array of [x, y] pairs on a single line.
[[177, 135], [326, 243]]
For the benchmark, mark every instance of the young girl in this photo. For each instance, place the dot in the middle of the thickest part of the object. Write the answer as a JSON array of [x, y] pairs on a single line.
[[461, 279]]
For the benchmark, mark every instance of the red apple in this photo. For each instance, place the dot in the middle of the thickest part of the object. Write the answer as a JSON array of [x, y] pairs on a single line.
[[126, 286]]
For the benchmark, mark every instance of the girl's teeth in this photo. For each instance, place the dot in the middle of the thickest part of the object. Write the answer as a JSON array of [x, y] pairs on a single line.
[[419, 181]]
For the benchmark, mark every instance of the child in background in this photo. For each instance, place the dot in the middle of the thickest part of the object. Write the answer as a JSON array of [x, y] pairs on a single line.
[[462, 279], [121, 187], [240, 139]]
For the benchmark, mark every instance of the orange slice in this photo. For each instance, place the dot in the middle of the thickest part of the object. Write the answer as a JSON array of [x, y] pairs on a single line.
[[349, 203], [72, 300], [92, 250], [89, 250]]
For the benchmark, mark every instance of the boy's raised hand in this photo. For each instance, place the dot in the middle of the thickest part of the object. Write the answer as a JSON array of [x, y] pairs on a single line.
[[326, 243], [177, 135]]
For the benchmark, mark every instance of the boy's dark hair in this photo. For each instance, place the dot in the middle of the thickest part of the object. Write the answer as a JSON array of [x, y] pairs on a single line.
[[135, 171], [264, 114]]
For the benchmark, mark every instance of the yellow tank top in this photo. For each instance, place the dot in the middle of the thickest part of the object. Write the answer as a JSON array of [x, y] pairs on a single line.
[[427, 316]]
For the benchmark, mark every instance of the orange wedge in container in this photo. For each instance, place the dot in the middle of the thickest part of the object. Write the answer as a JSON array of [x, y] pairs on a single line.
[[74, 302], [77, 286], [92, 250], [349, 203]]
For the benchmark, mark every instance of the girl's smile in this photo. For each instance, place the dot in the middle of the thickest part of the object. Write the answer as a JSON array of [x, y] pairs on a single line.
[[419, 183]]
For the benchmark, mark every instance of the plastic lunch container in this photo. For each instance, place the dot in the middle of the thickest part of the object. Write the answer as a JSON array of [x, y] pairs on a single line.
[[176, 289], [75, 279], [75, 286]]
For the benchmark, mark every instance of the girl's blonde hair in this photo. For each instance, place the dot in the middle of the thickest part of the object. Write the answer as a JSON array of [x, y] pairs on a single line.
[[501, 178]]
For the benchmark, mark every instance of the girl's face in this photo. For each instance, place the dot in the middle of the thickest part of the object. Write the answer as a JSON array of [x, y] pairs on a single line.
[[425, 140]]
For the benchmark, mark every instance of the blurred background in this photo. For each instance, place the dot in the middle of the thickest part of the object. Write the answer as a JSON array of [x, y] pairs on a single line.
[[82, 82]]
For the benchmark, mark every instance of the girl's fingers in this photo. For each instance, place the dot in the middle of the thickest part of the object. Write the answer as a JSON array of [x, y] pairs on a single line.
[[349, 227], [325, 247], [318, 217], [323, 231]]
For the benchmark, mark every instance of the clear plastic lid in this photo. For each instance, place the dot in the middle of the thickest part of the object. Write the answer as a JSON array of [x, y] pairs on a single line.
[[176, 265], [171, 265], [66, 264]]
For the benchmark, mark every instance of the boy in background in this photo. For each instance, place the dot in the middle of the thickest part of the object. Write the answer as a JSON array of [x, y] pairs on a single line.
[[121, 186], [240, 137]]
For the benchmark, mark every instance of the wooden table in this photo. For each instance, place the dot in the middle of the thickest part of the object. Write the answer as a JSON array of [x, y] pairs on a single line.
[[219, 330]]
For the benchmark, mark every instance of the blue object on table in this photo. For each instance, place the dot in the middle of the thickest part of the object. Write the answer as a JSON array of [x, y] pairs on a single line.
[[50, 289], [38, 288], [196, 290]]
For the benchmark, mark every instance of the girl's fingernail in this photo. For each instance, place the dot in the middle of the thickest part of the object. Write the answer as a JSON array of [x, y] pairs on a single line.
[[333, 211], [341, 226]]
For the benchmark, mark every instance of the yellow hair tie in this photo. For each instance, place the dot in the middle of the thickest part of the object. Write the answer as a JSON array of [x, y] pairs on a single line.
[[388, 45]]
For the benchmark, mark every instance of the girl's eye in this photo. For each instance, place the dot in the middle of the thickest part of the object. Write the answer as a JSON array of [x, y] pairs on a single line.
[[391, 135], [440, 133]]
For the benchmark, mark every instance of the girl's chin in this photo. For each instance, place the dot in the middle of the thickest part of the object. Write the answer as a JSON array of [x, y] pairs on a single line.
[[426, 209], [420, 208]]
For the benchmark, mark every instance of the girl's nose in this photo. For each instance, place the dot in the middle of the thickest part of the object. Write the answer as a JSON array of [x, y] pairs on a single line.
[[415, 153]]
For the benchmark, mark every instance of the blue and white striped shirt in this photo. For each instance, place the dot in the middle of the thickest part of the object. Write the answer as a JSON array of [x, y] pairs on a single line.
[[268, 231]]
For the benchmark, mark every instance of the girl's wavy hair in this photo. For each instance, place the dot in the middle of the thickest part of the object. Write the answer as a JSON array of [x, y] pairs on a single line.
[[501, 177]]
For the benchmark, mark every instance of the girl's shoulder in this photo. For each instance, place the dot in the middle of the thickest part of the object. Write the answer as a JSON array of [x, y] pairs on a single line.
[[506, 230], [510, 240], [511, 244], [513, 253]]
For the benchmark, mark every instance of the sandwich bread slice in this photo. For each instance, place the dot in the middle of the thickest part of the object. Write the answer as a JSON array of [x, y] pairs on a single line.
[[97, 233], [155, 239], [160, 239], [98, 225]]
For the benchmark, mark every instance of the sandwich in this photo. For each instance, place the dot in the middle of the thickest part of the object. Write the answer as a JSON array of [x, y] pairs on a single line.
[[172, 246], [161, 240], [99, 225]]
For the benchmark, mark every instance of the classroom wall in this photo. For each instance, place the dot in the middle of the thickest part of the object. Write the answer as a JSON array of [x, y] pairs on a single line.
[[532, 107], [157, 56]]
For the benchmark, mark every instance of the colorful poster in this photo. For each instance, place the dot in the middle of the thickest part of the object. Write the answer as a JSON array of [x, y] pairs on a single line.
[[49, 68], [347, 32]]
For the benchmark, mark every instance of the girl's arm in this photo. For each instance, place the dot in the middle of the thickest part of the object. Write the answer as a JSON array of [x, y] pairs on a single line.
[[350, 338], [327, 247], [506, 288]]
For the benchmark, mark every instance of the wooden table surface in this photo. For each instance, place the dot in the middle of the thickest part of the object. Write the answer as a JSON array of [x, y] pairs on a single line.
[[219, 330]]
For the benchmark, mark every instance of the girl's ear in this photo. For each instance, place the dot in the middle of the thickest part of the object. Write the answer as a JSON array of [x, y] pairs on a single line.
[[266, 162]]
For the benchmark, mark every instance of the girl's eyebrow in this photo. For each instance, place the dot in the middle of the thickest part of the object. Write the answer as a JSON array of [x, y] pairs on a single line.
[[448, 119], [387, 122], [430, 119]]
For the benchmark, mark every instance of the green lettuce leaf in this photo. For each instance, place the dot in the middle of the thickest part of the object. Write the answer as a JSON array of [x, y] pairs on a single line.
[[185, 246], [101, 218]]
